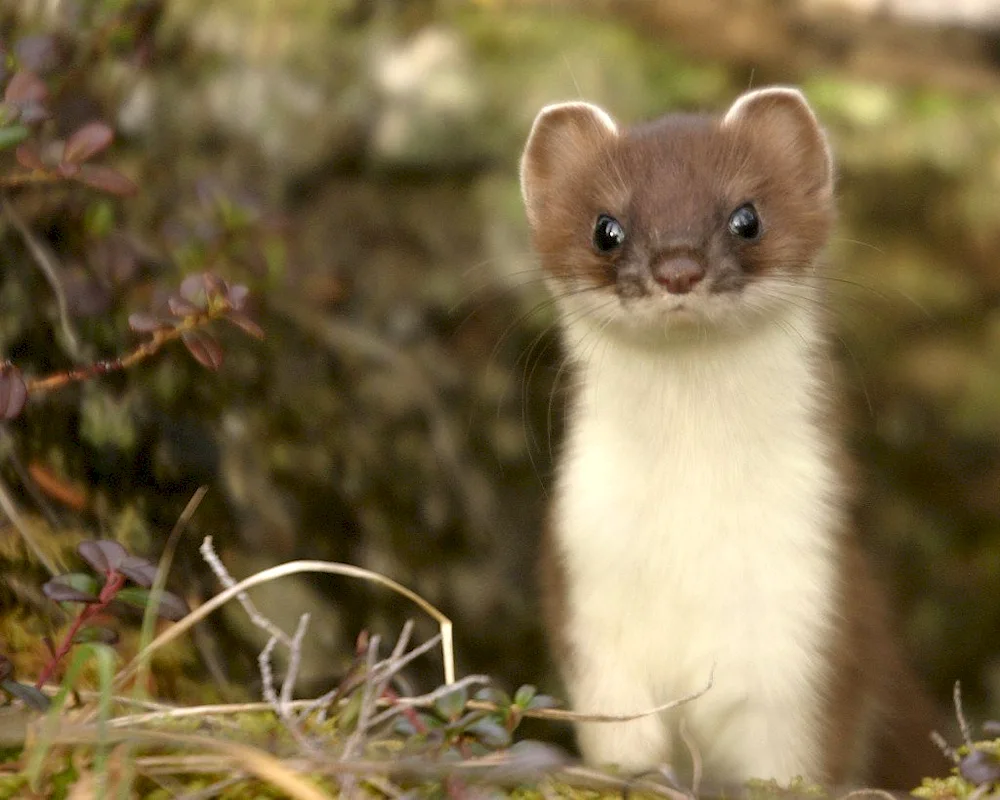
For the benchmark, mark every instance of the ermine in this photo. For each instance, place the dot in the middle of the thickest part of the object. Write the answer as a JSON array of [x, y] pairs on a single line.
[[700, 514]]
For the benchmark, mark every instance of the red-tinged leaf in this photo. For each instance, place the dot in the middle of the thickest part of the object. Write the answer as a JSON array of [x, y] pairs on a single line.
[[171, 606], [87, 142], [103, 555], [27, 156], [26, 88], [142, 322], [237, 296], [28, 695], [246, 324], [73, 588], [106, 179], [68, 170], [138, 570], [203, 346], [180, 307], [13, 392], [96, 633]]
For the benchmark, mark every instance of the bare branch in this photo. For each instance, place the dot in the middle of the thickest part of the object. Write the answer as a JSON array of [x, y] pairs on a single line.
[[963, 724], [227, 580]]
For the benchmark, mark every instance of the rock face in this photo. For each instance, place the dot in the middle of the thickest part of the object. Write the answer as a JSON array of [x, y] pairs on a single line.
[[972, 13], [403, 411]]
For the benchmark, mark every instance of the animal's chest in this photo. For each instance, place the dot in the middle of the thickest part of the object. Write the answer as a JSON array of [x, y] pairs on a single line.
[[697, 534]]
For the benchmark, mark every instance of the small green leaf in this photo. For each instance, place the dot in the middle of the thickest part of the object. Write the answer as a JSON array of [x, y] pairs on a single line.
[[12, 135], [96, 633], [490, 733], [171, 606], [99, 219], [451, 705], [75, 587], [525, 695], [540, 701], [490, 694]]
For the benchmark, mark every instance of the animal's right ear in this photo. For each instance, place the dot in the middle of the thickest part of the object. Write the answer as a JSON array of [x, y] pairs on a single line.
[[562, 134]]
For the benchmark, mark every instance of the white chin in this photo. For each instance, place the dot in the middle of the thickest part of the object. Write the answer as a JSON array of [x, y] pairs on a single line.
[[665, 317]]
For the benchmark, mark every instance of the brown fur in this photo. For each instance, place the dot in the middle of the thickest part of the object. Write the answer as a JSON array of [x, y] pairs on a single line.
[[685, 174]]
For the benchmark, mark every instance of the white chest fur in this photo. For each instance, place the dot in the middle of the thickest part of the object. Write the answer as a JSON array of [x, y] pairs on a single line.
[[695, 513]]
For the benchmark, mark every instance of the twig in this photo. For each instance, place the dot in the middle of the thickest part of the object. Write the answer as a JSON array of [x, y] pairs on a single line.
[[111, 587], [199, 711], [292, 568], [859, 793], [348, 783], [963, 724], [208, 554], [368, 699], [266, 674], [576, 716], [946, 749], [430, 698], [150, 347], [294, 660], [47, 262]]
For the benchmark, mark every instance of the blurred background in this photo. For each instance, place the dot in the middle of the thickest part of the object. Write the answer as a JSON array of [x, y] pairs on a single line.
[[355, 163]]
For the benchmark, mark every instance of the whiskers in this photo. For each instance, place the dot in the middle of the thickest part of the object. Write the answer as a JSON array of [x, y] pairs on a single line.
[[806, 296], [526, 367]]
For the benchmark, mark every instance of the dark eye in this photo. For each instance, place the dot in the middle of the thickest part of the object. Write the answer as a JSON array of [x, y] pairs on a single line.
[[608, 234], [744, 222]]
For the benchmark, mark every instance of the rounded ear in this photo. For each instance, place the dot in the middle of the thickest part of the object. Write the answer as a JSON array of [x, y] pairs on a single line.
[[780, 114], [562, 135]]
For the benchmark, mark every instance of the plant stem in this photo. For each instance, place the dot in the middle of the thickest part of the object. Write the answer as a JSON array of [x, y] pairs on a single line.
[[140, 353], [115, 581]]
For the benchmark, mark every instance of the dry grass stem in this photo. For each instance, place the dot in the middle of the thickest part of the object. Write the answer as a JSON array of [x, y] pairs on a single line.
[[292, 568], [9, 507], [427, 700], [50, 268]]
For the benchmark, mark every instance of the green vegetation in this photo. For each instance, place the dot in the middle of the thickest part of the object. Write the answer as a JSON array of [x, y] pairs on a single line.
[[342, 175]]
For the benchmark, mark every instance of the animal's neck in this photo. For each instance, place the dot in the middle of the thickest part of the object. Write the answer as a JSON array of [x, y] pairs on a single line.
[[712, 392]]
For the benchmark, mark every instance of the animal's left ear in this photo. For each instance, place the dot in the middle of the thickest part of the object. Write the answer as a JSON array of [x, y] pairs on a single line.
[[782, 116]]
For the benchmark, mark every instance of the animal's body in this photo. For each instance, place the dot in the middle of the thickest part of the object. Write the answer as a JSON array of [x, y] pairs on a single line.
[[700, 517]]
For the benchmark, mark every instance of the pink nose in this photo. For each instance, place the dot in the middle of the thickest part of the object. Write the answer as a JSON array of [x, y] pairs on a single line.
[[678, 275]]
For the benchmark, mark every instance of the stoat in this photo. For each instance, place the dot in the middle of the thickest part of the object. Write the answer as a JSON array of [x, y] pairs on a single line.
[[699, 516]]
